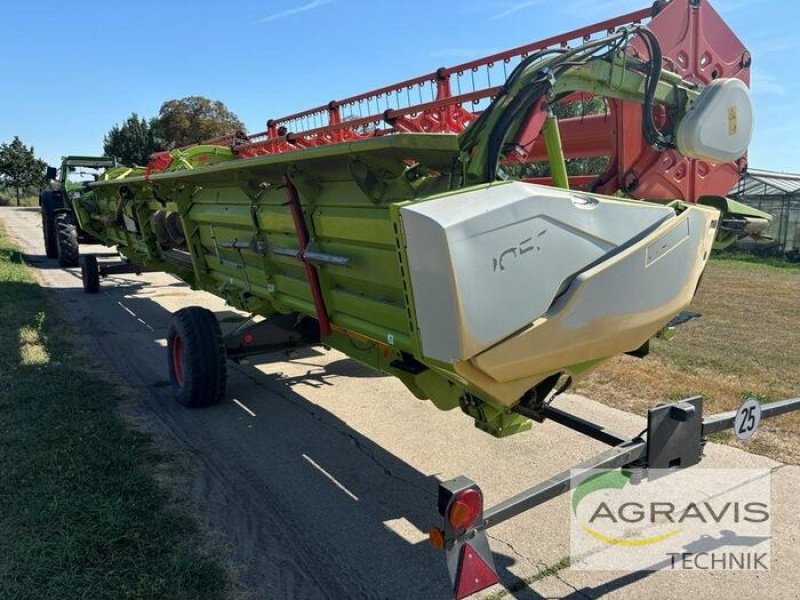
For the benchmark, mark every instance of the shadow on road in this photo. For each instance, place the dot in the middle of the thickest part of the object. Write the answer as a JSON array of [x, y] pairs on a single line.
[[311, 508], [702, 546]]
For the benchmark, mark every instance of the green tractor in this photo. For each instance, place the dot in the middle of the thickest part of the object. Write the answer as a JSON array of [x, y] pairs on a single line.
[[62, 235]]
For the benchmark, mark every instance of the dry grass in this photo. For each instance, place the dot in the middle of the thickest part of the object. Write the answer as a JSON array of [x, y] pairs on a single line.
[[9, 199], [747, 342]]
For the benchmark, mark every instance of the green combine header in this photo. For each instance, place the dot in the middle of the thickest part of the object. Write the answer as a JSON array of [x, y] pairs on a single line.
[[448, 241], [422, 255]]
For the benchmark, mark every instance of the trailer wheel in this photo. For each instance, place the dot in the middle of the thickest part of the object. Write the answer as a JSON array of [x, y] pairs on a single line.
[[49, 233], [196, 357], [67, 231], [90, 274]]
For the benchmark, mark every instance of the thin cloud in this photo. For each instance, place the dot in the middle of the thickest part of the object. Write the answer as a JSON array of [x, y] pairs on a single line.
[[293, 11], [513, 8], [771, 42], [767, 85]]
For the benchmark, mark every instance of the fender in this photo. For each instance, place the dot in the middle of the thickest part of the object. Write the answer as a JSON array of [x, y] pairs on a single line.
[[52, 202]]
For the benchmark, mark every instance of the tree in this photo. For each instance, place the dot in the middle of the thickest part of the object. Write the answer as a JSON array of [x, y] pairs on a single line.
[[194, 119], [19, 167], [131, 143], [597, 165]]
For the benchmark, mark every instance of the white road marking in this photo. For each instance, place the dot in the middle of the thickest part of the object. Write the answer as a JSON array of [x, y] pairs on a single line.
[[126, 309], [243, 407], [133, 314], [331, 477]]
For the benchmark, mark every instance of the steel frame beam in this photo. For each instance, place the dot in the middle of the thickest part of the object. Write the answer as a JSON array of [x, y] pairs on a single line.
[[628, 452], [723, 421], [274, 334], [674, 438], [121, 268], [303, 240], [675, 432]]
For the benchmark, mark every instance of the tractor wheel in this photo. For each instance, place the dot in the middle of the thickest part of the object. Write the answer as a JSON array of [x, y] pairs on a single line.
[[49, 233], [90, 274], [68, 252], [196, 355]]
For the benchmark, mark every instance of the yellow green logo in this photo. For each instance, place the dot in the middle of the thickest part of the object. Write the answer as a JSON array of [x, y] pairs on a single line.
[[610, 480]]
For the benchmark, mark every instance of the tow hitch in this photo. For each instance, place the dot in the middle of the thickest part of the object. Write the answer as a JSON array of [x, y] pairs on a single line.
[[674, 439]]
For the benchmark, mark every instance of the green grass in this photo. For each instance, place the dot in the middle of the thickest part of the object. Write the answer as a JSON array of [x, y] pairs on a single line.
[[80, 513], [525, 583], [756, 261]]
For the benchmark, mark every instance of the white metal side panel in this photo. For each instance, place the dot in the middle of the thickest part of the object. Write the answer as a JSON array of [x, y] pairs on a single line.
[[489, 261]]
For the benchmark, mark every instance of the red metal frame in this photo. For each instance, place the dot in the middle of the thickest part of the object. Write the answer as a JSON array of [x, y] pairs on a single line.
[[695, 42], [444, 113], [698, 45], [311, 272]]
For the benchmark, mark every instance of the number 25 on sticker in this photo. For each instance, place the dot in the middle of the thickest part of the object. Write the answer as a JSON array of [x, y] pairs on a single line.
[[747, 419]]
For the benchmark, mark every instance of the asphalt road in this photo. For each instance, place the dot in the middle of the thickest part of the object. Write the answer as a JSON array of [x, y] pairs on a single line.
[[318, 476]]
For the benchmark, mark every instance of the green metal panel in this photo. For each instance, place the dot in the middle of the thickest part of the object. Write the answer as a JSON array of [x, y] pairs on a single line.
[[370, 226], [555, 152], [275, 219], [243, 240]]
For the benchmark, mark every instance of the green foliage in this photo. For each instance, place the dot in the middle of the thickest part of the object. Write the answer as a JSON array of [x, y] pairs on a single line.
[[193, 119], [132, 142], [575, 166], [755, 261], [19, 167], [591, 105], [179, 123]]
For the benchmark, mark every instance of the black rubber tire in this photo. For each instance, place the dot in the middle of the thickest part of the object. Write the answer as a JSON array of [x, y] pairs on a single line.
[[90, 274], [196, 357], [68, 249], [49, 234]]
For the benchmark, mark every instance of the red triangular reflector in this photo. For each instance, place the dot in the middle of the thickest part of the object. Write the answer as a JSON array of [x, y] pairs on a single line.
[[474, 574]]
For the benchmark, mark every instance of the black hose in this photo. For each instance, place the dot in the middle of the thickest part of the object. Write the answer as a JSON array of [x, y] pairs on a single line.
[[486, 115], [529, 95], [534, 91], [654, 137]]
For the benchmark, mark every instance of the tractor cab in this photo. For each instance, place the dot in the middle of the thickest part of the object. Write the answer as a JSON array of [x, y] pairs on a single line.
[[76, 171], [60, 229]]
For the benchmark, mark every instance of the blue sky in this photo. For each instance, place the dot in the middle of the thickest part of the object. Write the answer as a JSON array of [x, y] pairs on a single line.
[[73, 69]]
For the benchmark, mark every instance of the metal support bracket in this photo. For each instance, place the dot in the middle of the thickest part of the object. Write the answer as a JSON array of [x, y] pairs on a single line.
[[120, 268], [274, 334], [311, 272], [674, 439]]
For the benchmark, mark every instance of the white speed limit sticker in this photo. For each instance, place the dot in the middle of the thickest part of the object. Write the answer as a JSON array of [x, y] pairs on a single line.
[[747, 419]]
